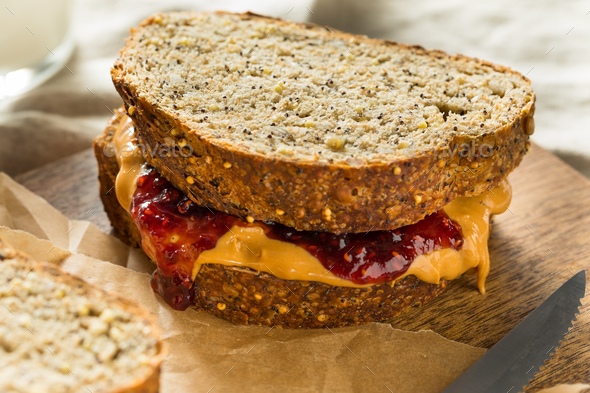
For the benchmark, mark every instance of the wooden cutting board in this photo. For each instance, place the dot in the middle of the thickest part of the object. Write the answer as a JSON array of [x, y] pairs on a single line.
[[535, 247]]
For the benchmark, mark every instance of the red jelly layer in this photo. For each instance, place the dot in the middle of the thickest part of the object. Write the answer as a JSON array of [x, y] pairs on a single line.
[[175, 231], [377, 256]]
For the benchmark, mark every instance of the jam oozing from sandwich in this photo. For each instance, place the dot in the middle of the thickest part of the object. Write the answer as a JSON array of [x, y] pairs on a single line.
[[377, 256], [175, 231]]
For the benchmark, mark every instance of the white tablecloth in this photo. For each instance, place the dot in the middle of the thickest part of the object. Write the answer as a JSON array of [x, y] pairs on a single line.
[[549, 41]]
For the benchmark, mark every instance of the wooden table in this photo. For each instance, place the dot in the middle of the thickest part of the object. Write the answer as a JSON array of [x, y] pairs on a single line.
[[535, 247]]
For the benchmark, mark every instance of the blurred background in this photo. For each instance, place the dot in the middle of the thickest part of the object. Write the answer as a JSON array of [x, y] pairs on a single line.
[[548, 40]]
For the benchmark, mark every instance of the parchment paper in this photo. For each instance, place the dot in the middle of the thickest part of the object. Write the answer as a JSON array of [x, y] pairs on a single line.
[[210, 354]]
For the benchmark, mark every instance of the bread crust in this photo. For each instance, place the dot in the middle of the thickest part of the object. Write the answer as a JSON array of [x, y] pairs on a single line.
[[150, 383], [245, 296], [230, 293], [319, 196]]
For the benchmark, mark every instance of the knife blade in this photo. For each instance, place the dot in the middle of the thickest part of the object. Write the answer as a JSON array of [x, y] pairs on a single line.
[[510, 364]]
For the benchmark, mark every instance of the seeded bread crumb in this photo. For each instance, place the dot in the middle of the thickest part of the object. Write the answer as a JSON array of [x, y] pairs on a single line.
[[60, 334], [312, 95]]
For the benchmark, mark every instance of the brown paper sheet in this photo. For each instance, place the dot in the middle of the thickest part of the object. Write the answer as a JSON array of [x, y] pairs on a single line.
[[207, 353]]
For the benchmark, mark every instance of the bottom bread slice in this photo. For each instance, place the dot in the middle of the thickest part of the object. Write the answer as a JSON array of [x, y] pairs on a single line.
[[60, 334], [246, 296]]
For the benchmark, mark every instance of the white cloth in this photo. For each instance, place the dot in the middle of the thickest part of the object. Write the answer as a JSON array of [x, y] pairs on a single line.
[[534, 37]]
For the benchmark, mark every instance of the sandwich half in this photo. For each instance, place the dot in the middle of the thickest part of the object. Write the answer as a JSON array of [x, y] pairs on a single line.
[[59, 333], [292, 175]]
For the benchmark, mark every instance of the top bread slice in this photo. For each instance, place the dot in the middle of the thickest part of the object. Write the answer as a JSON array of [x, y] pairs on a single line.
[[61, 334], [314, 128]]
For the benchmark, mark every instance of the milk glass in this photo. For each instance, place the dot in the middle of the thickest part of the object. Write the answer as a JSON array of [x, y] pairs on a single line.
[[35, 42]]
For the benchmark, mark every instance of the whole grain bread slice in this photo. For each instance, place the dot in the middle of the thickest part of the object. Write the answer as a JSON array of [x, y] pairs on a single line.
[[246, 296], [314, 128], [60, 334]]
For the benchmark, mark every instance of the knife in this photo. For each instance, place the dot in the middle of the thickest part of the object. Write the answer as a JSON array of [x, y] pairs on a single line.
[[510, 364]]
